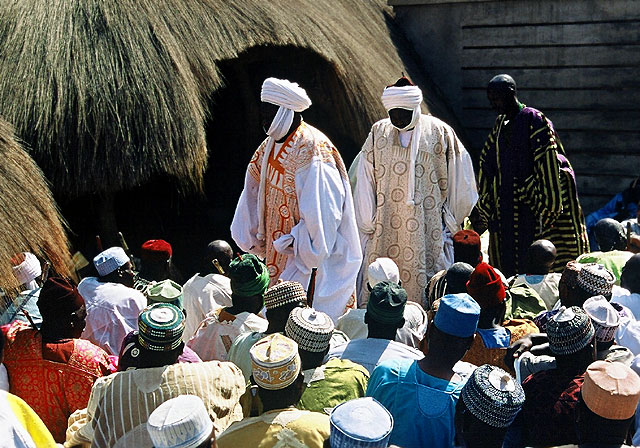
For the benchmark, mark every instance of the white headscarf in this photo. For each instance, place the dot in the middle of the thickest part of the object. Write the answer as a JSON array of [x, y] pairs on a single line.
[[408, 98], [291, 98]]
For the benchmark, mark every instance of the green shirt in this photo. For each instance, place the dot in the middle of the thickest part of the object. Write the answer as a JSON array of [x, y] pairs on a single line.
[[335, 382], [613, 260]]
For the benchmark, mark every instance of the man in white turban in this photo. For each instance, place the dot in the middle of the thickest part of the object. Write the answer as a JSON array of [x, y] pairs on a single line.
[[296, 209], [414, 185]]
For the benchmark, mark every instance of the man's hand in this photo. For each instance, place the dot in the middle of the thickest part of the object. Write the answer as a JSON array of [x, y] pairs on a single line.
[[536, 343]]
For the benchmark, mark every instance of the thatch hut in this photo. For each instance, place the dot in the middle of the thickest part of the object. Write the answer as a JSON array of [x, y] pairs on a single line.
[[138, 96], [29, 218]]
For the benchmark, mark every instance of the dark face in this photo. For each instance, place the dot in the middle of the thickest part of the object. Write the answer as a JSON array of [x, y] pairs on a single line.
[[267, 114], [500, 99], [79, 320], [125, 272], [400, 118]]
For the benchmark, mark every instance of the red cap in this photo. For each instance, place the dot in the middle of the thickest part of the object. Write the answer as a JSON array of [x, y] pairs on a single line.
[[485, 286], [58, 298], [156, 250], [466, 247]]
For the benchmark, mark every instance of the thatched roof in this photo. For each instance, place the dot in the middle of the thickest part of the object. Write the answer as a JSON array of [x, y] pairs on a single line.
[[109, 93], [29, 218]]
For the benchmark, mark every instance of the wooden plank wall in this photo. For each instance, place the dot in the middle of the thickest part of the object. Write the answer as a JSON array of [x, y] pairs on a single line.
[[577, 61]]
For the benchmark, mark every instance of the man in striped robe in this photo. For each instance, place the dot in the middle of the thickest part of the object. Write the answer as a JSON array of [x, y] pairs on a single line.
[[527, 186]]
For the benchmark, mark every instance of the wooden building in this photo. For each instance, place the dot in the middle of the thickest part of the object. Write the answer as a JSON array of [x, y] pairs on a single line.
[[575, 60]]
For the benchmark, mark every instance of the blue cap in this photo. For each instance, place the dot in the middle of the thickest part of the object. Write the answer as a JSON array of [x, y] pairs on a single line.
[[457, 315], [360, 423]]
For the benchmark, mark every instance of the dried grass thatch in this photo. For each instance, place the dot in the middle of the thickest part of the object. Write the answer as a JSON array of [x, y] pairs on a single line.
[[109, 93], [29, 218]]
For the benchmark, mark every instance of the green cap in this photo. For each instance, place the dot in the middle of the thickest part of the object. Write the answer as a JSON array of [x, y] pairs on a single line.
[[160, 327], [249, 276], [386, 303], [166, 291]]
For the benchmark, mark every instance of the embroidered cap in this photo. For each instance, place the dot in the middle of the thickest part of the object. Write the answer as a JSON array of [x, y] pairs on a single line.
[[109, 260], [275, 362], [570, 274], [160, 327], [596, 280], [166, 291], [27, 270], [493, 396], [181, 422], [569, 331], [310, 329], [360, 423], [383, 269], [457, 315], [611, 390], [284, 292], [604, 317]]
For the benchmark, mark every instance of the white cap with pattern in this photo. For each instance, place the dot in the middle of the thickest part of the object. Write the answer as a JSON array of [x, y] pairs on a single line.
[[109, 260], [182, 422]]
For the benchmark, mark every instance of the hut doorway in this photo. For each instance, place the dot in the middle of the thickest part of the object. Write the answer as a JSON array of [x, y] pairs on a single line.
[[189, 221], [234, 130]]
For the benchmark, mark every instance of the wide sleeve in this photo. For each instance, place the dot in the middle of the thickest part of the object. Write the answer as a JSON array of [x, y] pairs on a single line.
[[364, 191], [321, 195], [542, 190], [487, 175], [244, 226], [462, 193]]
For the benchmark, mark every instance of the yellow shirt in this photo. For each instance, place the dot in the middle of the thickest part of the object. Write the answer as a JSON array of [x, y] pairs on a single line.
[[280, 428]]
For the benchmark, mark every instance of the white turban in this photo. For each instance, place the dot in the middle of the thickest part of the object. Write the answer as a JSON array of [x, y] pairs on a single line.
[[291, 98], [383, 269], [27, 271], [408, 98]]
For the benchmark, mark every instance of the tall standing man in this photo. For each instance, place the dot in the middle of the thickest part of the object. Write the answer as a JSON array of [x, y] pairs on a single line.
[[296, 208], [527, 186], [414, 187]]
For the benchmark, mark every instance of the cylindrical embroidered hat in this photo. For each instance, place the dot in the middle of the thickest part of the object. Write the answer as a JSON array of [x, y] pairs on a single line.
[[493, 396], [284, 292], [310, 329], [611, 390], [604, 317], [569, 331], [181, 422], [275, 362], [360, 423], [596, 280], [160, 327]]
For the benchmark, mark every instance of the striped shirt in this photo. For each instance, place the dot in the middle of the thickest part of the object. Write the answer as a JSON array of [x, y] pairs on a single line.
[[528, 192], [120, 404]]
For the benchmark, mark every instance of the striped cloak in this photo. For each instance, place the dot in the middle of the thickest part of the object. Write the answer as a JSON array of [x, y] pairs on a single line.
[[528, 192]]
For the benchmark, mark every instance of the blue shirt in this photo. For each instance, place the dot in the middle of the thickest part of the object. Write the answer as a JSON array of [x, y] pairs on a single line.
[[423, 406]]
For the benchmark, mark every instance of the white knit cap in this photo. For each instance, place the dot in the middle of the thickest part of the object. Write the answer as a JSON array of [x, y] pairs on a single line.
[[604, 317], [383, 269], [182, 422], [291, 98], [109, 260], [28, 270], [409, 98]]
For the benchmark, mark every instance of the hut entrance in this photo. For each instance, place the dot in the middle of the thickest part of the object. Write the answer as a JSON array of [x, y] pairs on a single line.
[[234, 130], [158, 210]]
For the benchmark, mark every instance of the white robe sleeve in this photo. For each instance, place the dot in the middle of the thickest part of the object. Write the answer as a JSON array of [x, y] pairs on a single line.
[[463, 193], [364, 192], [321, 196], [244, 226]]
